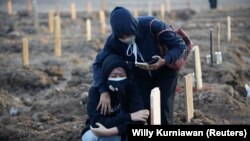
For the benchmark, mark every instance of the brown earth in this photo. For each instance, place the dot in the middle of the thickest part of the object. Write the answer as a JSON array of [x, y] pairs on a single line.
[[47, 100]]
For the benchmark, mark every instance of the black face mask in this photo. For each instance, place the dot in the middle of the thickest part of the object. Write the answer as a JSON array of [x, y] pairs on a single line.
[[117, 85]]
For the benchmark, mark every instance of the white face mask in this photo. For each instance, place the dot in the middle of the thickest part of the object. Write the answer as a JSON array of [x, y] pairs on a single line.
[[117, 84], [129, 40], [117, 78]]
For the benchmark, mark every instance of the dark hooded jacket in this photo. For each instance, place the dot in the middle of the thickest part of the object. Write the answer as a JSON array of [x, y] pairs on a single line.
[[122, 22], [129, 102]]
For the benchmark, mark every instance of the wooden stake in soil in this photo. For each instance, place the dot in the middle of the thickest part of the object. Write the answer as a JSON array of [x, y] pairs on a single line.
[[35, 14], [9, 7], [136, 13], [168, 5], [103, 22], [102, 5], [218, 37], [228, 28], [88, 29], [189, 4], [150, 11], [89, 9], [25, 51], [189, 97], [198, 73], [73, 11], [211, 47], [58, 44], [163, 12], [51, 21], [58, 8], [29, 6], [155, 106]]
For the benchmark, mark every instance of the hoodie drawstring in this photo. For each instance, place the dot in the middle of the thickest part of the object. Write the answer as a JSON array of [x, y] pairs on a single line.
[[133, 49]]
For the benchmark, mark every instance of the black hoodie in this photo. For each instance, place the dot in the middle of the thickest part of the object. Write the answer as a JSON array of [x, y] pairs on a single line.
[[123, 22], [131, 101]]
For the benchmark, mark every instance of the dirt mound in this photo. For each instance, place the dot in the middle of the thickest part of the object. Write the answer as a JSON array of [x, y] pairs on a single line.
[[26, 78], [8, 103]]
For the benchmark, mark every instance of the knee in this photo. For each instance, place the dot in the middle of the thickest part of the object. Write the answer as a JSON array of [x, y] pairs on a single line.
[[110, 138], [89, 136]]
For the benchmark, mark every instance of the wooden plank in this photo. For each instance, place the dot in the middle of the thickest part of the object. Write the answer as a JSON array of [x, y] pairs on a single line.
[[163, 12], [29, 6], [58, 45], [73, 11], [9, 7], [189, 97], [51, 21], [88, 29], [228, 28], [136, 14], [35, 14], [90, 9], [150, 11], [198, 73], [103, 21], [155, 106], [25, 51], [218, 37], [168, 5]]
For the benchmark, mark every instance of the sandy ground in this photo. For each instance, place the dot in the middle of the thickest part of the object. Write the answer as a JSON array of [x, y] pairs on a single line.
[[81, 5], [47, 100]]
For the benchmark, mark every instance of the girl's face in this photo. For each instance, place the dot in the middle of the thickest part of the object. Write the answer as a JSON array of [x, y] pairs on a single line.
[[117, 72]]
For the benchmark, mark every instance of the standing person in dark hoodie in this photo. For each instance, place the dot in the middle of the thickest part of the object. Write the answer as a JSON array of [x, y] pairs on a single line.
[[132, 38], [127, 106], [213, 4]]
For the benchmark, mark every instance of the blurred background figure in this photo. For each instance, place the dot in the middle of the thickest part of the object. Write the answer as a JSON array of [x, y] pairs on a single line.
[[213, 4]]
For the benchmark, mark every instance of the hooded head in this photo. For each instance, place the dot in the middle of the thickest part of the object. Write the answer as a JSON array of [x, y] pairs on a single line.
[[123, 23], [115, 84]]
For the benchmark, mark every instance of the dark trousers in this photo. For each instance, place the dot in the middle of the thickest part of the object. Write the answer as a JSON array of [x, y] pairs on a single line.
[[213, 4], [166, 81]]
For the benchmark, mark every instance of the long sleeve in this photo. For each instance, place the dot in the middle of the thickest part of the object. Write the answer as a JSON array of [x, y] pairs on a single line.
[[108, 120], [135, 99], [175, 44], [97, 75]]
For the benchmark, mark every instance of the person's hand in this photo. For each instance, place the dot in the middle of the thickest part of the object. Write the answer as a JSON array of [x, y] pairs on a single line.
[[141, 115], [158, 64], [100, 130], [104, 103]]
